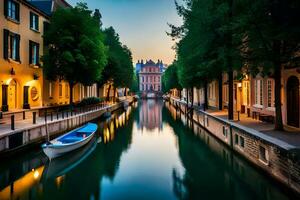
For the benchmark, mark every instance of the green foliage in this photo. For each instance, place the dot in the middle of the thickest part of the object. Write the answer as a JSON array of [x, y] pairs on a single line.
[[119, 68], [76, 52], [170, 78], [135, 85], [242, 35], [206, 41], [90, 101]]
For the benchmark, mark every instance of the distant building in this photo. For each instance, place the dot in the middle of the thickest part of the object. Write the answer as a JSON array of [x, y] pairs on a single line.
[[150, 74]]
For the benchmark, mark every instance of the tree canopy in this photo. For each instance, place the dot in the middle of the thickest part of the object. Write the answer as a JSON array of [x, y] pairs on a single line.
[[119, 68], [170, 78], [223, 36], [76, 52]]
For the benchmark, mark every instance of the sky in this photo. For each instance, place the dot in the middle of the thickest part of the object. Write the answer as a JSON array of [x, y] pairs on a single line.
[[141, 24]]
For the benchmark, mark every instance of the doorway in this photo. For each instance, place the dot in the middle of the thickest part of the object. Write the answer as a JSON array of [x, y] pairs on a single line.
[[293, 101], [12, 95]]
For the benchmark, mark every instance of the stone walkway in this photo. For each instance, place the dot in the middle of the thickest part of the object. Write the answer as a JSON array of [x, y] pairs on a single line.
[[290, 135], [5, 126]]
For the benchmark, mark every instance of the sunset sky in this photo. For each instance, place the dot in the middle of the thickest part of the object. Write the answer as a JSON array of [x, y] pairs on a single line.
[[141, 24]]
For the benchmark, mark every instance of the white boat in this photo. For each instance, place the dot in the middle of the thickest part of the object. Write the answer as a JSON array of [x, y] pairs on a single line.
[[70, 141], [64, 164]]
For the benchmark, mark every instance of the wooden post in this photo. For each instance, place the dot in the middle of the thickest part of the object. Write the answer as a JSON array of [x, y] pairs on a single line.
[[34, 117], [12, 124]]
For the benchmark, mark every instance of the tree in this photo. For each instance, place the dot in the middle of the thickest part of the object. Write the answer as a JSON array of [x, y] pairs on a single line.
[[75, 52], [272, 40], [119, 68], [208, 46], [170, 78]]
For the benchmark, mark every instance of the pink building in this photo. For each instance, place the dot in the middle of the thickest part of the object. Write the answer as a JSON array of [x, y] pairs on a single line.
[[151, 114], [150, 75]]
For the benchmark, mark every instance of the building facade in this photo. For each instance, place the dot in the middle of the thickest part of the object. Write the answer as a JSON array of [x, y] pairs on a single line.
[[254, 96], [21, 76], [150, 76]]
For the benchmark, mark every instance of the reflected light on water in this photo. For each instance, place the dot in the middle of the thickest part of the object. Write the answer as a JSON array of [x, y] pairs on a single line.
[[22, 185], [59, 181]]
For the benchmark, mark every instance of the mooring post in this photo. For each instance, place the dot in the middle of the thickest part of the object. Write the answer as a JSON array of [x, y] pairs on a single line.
[[34, 117], [12, 120]]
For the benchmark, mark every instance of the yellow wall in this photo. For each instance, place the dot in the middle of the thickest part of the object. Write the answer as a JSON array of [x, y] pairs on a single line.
[[23, 71]]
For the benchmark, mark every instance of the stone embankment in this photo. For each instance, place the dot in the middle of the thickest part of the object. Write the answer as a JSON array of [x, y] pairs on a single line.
[[15, 140], [277, 158]]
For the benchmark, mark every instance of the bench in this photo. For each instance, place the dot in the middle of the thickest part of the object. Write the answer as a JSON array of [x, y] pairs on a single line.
[[266, 118]]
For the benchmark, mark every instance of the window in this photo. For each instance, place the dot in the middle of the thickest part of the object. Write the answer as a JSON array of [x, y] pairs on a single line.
[[60, 90], [258, 87], [242, 142], [12, 10], [67, 88], [50, 90], [270, 98], [34, 21], [246, 93], [11, 45], [236, 139], [225, 131], [34, 49], [263, 155]]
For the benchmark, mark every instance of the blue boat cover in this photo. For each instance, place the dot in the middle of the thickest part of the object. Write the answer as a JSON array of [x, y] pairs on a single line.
[[88, 128]]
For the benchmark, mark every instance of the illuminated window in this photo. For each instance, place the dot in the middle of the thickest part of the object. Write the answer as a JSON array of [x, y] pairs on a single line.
[[60, 90], [258, 89], [50, 90], [67, 88], [270, 93]]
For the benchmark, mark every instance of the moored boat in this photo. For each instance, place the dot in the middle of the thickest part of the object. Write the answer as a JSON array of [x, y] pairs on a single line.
[[70, 141]]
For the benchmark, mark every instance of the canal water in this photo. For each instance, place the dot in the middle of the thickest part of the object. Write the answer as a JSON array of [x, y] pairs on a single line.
[[149, 151]]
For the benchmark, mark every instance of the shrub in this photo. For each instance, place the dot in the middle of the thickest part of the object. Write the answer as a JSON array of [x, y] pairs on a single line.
[[90, 101]]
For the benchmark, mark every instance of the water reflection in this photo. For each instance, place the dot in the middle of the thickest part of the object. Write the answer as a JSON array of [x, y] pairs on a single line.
[[174, 158], [212, 170], [77, 175], [150, 114]]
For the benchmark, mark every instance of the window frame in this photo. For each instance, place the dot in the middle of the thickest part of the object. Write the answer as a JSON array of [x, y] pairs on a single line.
[[34, 57], [12, 10], [34, 21], [11, 46]]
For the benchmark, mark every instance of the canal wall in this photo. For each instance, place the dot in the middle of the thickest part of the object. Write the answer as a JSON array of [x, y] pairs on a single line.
[[275, 157], [21, 138]]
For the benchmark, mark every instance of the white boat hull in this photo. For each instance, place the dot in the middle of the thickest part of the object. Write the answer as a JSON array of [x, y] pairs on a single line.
[[54, 152]]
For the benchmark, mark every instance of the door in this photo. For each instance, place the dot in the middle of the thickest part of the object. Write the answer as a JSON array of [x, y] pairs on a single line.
[[293, 101], [12, 95]]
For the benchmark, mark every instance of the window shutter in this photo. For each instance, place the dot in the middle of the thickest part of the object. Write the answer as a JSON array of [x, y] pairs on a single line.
[[37, 22], [17, 11], [38, 54], [5, 8], [18, 48], [31, 19], [5, 43], [30, 52]]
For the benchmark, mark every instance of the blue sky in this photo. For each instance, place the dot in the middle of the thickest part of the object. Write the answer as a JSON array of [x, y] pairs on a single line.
[[141, 24]]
